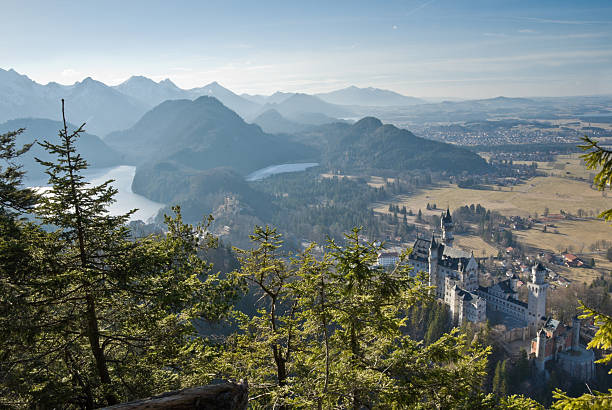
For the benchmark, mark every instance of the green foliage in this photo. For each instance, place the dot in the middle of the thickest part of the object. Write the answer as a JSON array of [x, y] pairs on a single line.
[[598, 157], [314, 208], [603, 337], [519, 402], [13, 197], [596, 401], [92, 317], [330, 332]]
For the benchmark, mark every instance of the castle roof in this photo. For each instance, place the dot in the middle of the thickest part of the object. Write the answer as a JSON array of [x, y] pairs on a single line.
[[432, 243], [446, 217], [551, 325], [446, 255], [540, 267]]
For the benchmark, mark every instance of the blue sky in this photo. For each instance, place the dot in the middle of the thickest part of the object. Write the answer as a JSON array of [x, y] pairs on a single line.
[[426, 48]]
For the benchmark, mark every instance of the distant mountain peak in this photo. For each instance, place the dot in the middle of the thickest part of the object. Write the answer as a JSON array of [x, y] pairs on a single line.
[[367, 124], [369, 96], [168, 82]]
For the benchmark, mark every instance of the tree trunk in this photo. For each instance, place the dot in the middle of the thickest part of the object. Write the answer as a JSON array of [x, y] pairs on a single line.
[[93, 334], [226, 396]]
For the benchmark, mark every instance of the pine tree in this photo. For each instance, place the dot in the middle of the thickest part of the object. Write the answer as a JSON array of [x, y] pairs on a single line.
[[497, 378], [108, 318], [339, 328], [14, 198], [503, 385], [19, 245], [597, 157]]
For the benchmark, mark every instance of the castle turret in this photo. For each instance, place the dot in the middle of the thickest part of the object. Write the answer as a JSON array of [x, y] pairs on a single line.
[[540, 349], [446, 223], [514, 282], [433, 266], [536, 302], [575, 333]]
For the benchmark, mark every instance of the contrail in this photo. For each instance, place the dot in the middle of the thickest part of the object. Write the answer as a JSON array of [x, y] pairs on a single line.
[[414, 10]]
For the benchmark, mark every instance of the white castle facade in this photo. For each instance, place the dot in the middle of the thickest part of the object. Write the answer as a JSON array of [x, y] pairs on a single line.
[[455, 273]]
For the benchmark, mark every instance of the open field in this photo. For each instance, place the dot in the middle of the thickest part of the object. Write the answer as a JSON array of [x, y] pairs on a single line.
[[373, 181], [554, 193], [476, 244], [566, 166], [560, 191]]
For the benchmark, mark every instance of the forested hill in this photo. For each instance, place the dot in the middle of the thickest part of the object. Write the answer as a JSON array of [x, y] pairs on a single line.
[[204, 134], [371, 145], [91, 147]]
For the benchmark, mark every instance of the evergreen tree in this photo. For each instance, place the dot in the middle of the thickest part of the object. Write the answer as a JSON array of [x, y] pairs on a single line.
[[497, 378], [503, 385], [14, 198], [105, 318], [339, 329]]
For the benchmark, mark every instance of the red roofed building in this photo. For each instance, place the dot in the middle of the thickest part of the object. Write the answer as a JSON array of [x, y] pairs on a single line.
[[572, 260]]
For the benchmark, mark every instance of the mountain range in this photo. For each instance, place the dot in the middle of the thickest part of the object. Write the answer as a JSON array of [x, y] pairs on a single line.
[[110, 108], [368, 97], [102, 107]]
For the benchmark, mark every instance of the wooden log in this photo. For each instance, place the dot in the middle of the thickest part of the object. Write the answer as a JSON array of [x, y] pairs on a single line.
[[225, 396]]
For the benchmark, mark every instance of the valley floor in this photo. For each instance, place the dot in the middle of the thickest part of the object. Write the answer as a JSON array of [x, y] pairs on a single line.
[[563, 190]]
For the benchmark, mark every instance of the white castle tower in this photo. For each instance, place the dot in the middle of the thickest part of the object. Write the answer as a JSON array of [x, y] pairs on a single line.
[[433, 268], [446, 223], [537, 295]]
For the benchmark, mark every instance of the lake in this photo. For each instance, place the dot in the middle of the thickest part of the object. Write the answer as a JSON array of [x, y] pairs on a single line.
[[147, 209], [125, 198], [279, 169]]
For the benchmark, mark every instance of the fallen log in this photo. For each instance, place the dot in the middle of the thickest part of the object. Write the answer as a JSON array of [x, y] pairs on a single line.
[[225, 396]]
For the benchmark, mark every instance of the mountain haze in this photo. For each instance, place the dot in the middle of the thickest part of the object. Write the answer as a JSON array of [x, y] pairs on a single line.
[[103, 108], [203, 134], [301, 107], [91, 147], [273, 122], [368, 97], [149, 92]]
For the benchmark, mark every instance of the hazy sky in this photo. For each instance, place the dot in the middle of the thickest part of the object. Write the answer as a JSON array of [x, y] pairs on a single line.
[[427, 48]]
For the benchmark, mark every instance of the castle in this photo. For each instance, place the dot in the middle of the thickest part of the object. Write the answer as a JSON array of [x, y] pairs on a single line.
[[561, 343], [454, 273]]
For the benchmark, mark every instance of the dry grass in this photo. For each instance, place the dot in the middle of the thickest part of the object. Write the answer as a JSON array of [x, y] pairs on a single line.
[[373, 181], [554, 193], [476, 244], [560, 191]]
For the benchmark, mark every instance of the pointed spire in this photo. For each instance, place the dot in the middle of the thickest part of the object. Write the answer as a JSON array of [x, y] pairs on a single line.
[[433, 243]]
